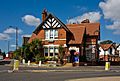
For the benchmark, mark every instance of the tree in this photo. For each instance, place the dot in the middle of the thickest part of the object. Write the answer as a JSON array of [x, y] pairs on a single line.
[[106, 42], [17, 54], [26, 52], [61, 54], [4, 55], [31, 51], [34, 50]]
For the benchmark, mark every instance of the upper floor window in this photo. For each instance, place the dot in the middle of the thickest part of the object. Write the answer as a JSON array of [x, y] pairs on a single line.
[[51, 34]]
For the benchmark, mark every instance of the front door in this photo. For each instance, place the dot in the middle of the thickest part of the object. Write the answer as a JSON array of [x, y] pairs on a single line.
[[72, 56]]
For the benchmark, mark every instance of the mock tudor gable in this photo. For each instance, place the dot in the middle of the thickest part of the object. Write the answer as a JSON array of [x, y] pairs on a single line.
[[51, 22]]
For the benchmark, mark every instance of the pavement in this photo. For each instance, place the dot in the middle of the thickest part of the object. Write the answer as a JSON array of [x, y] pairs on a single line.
[[115, 78], [44, 68]]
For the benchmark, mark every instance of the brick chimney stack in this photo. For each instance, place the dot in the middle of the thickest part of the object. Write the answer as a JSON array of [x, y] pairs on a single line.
[[85, 21], [44, 14]]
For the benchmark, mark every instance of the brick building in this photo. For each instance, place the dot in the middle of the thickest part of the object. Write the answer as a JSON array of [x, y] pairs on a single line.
[[75, 38], [109, 52]]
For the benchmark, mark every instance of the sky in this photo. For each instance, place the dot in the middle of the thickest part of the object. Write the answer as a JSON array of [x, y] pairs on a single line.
[[26, 16]]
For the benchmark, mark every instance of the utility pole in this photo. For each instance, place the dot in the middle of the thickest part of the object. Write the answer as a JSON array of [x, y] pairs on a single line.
[[8, 45], [16, 38]]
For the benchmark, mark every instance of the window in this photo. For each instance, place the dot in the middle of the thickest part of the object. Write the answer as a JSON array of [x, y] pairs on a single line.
[[46, 34], [46, 51], [56, 33], [51, 34], [56, 51], [51, 51]]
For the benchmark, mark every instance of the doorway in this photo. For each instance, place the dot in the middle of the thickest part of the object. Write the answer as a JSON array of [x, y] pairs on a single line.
[[72, 56]]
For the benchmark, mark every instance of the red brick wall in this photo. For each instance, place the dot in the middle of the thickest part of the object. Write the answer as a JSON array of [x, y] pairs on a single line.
[[61, 34], [32, 37], [41, 35]]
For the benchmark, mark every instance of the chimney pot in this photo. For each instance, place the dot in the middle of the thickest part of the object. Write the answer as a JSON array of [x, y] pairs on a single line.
[[85, 21], [44, 14]]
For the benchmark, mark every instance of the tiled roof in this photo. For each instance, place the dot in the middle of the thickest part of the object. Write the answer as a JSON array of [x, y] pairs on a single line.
[[77, 33], [91, 28], [32, 37], [105, 46]]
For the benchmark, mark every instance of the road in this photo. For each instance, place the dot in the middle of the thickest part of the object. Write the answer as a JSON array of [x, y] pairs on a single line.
[[52, 76]]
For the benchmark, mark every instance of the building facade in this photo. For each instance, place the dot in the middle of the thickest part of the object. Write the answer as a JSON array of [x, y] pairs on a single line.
[[79, 40], [109, 52]]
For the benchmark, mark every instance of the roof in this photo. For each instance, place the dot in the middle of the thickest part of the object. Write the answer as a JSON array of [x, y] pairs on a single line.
[[78, 34], [50, 15], [105, 46], [91, 28], [32, 37]]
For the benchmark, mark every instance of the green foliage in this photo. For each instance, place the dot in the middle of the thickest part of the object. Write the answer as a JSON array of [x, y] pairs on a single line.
[[38, 58], [106, 42], [4, 55], [61, 54], [33, 50], [17, 54], [51, 58]]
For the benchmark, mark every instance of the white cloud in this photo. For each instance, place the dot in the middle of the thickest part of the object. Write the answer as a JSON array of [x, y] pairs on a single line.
[[92, 16], [114, 26], [12, 30], [31, 20], [4, 36], [13, 46], [111, 11], [117, 32], [26, 35]]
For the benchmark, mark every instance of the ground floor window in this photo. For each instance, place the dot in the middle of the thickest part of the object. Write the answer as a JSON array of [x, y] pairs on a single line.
[[90, 53], [50, 51]]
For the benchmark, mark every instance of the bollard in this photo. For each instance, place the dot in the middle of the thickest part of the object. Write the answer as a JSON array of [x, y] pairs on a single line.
[[28, 62], [23, 61], [39, 63], [107, 66], [54, 64], [16, 65]]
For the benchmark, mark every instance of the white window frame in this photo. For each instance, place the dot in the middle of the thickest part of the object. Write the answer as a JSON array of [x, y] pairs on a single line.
[[51, 34], [49, 46]]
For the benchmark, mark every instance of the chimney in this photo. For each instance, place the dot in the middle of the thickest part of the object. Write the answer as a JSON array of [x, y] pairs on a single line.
[[85, 21], [44, 14]]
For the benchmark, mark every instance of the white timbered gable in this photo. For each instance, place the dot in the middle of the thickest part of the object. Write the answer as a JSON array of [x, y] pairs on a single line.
[[51, 22]]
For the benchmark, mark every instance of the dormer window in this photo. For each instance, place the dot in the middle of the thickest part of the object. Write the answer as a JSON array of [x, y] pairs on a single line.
[[51, 34]]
